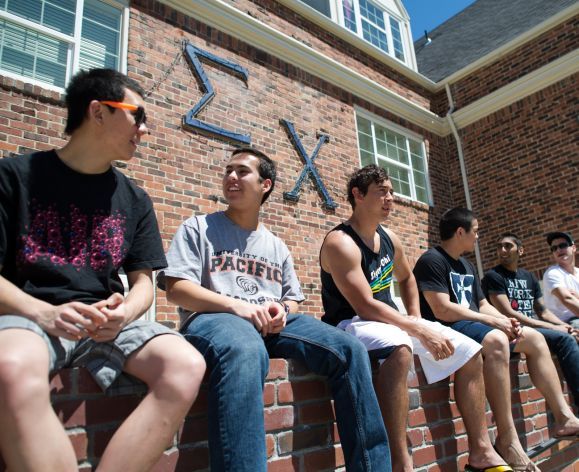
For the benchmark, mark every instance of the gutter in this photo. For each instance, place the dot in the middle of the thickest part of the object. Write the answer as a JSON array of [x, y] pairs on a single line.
[[463, 173]]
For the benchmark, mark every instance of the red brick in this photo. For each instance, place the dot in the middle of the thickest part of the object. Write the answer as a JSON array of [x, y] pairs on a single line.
[[319, 412], [285, 464], [79, 443], [300, 391], [277, 369], [279, 418], [330, 458]]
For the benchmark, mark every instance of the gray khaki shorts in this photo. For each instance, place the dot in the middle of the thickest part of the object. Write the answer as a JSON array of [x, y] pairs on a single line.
[[104, 361]]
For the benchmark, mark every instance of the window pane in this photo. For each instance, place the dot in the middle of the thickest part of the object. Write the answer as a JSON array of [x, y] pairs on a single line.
[[418, 162], [375, 36], [366, 158], [364, 125], [397, 39], [32, 54], [397, 153], [59, 18], [55, 14], [29, 9], [101, 35], [372, 13], [349, 15], [323, 6], [365, 142]]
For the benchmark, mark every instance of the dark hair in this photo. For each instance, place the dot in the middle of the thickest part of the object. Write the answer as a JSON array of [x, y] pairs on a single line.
[[518, 242], [559, 234], [95, 84], [363, 178], [266, 167], [453, 219]]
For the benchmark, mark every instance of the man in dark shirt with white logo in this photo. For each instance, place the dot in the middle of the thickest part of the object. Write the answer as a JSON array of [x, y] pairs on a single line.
[[515, 292]]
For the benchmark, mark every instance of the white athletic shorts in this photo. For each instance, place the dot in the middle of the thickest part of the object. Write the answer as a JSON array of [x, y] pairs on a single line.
[[377, 336]]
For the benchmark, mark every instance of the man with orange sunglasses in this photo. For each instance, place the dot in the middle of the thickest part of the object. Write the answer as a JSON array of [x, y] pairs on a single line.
[[69, 222]]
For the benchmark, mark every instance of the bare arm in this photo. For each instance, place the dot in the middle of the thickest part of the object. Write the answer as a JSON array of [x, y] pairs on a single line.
[[121, 311], [547, 315], [341, 257], [195, 298], [501, 302], [567, 298], [448, 311], [71, 320]]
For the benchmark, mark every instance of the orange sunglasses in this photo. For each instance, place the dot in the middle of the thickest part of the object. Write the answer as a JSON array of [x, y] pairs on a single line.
[[136, 110]]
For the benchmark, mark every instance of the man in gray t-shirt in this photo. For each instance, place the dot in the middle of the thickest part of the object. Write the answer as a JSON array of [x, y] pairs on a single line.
[[238, 293], [251, 266]]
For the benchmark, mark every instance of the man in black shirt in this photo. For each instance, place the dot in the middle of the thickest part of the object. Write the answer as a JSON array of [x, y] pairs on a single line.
[[450, 292], [515, 292], [69, 222]]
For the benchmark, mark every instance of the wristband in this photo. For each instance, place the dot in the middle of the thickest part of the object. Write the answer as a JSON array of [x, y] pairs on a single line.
[[285, 307]]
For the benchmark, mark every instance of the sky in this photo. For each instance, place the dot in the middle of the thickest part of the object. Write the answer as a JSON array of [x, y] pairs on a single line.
[[428, 14]]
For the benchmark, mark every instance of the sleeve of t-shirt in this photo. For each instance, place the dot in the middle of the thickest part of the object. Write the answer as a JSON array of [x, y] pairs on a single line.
[[146, 251], [184, 255], [493, 283], [291, 289], [431, 274], [552, 279]]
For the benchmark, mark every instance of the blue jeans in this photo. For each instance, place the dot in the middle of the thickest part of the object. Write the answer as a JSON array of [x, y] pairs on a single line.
[[566, 349], [238, 360]]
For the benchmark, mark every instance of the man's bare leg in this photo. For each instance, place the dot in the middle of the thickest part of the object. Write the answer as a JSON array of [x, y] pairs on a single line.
[[31, 436], [470, 399], [498, 390], [392, 392], [544, 376], [173, 371]]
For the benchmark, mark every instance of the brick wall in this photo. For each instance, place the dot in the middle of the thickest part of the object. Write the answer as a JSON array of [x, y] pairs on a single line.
[[523, 171], [301, 434]]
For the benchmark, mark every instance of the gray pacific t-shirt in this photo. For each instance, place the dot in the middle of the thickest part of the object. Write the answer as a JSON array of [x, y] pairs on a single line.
[[214, 252]]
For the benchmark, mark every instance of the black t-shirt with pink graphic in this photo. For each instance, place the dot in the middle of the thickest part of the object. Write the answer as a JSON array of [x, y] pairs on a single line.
[[64, 235]]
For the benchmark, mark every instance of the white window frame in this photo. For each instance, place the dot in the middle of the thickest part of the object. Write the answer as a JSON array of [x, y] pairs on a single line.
[[375, 119], [73, 56], [337, 15]]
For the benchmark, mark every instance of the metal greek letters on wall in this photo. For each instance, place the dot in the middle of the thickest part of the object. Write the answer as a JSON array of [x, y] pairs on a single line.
[[308, 168], [193, 55]]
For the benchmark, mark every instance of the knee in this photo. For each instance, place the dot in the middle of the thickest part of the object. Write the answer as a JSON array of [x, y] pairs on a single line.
[[534, 342], [496, 346], [21, 381], [180, 374], [399, 360]]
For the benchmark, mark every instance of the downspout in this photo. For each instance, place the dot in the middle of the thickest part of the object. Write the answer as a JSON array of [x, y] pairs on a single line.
[[462, 170]]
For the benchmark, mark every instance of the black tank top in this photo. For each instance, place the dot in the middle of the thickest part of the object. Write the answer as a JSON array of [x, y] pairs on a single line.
[[377, 269]]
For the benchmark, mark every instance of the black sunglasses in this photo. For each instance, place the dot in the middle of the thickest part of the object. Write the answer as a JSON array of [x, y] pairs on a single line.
[[555, 247], [137, 111]]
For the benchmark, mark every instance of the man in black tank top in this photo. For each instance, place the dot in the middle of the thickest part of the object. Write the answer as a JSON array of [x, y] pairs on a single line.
[[358, 260]]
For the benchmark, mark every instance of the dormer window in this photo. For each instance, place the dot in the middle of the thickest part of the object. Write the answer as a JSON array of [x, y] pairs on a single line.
[[372, 21]]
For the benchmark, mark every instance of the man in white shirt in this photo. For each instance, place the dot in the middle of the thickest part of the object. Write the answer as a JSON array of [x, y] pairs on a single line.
[[561, 280]]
